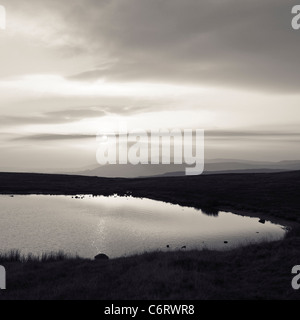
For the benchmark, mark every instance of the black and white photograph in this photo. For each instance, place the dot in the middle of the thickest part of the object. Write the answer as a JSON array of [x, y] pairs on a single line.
[[149, 152]]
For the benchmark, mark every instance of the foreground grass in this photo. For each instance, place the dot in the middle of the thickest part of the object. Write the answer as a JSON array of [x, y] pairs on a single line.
[[255, 272], [17, 256]]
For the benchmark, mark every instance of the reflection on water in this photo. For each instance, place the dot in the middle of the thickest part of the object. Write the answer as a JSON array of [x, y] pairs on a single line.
[[119, 226]]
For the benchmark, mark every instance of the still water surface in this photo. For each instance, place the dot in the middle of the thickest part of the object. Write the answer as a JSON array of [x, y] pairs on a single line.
[[120, 226]]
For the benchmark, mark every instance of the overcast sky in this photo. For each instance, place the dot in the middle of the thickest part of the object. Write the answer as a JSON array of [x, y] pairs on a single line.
[[230, 67]]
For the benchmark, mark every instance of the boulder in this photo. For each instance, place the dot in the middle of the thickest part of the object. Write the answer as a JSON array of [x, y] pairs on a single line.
[[101, 256]]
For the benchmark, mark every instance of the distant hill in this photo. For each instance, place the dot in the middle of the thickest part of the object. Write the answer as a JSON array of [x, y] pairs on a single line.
[[214, 166], [182, 173]]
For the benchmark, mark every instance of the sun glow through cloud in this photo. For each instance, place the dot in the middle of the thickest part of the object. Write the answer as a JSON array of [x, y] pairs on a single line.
[[70, 68], [37, 85]]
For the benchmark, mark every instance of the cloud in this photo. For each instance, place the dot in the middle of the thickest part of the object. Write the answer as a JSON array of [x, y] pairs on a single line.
[[157, 63], [221, 134], [54, 137], [227, 43], [77, 114], [209, 134], [231, 43], [54, 117]]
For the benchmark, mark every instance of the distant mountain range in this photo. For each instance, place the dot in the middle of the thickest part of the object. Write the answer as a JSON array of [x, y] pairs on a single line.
[[214, 166]]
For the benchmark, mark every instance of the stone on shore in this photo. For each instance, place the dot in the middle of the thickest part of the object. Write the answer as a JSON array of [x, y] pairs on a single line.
[[101, 256]]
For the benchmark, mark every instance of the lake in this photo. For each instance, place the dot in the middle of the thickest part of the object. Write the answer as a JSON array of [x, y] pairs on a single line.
[[120, 226]]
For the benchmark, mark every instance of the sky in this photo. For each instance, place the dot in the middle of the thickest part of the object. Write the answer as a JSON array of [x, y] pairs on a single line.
[[67, 68]]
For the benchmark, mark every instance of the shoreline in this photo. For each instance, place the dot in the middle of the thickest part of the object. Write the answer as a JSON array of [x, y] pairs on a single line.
[[252, 214]]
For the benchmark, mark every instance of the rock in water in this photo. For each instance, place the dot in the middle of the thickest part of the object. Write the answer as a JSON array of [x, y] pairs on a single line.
[[101, 256]]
